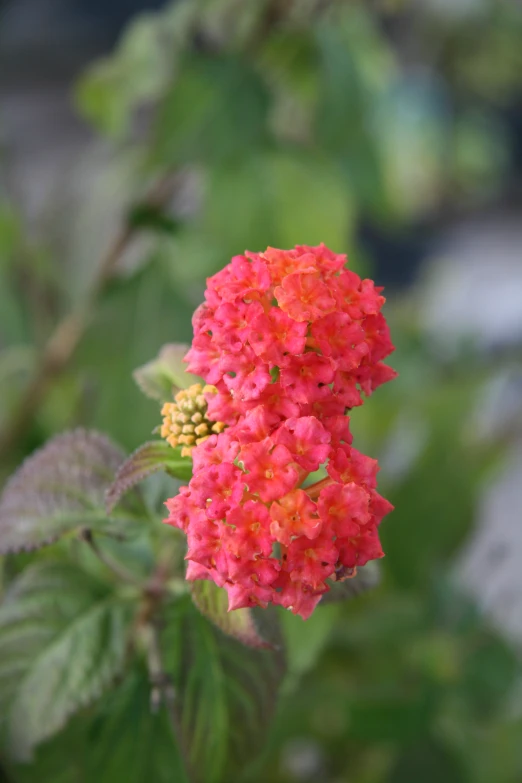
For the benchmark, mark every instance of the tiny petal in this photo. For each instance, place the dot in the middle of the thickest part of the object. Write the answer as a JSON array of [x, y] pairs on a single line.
[[294, 515]]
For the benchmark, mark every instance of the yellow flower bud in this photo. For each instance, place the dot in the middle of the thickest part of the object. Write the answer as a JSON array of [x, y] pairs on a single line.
[[185, 421]]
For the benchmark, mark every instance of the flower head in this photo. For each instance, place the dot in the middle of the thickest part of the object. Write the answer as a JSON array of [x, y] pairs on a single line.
[[290, 340]]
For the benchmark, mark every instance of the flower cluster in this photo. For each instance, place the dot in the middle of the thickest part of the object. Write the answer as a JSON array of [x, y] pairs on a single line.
[[290, 340]]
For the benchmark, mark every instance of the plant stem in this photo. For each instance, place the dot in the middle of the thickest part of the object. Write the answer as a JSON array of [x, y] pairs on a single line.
[[67, 334], [162, 687], [163, 691], [314, 489]]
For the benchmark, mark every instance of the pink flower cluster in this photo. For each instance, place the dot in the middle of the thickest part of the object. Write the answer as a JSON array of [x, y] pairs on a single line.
[[290, 339]]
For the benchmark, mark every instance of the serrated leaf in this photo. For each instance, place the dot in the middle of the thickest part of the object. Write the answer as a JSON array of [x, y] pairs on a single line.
[[133, 743], [227, 692], [212, 601], [58, 490], [147, 459], [62, 643], [365, 579], [118, 741], [163, 376]]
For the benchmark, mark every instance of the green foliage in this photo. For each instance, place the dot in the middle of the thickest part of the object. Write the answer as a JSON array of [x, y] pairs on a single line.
[[212, 601], [63, 642], [58, 491], [118, 740], [228, 693], [209, 101], [137, 73], [161, 377], [147, 459], [415, 550], [139, 313], [430, 762]]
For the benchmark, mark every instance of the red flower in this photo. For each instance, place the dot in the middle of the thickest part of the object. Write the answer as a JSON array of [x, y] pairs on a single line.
[[343, 508], [271, 473], [294, 515], [307, 441], [312, 564], [304, 296], [307, 376], [291, 340]]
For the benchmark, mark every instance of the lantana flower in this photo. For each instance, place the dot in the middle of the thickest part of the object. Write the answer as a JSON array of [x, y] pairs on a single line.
[[288, 341]]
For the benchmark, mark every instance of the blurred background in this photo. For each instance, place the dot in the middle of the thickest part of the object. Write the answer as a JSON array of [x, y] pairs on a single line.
[[142, 144]]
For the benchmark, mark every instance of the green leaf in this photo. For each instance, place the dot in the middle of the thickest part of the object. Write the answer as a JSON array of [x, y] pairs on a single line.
[[365, 579], [138, 72], [58, 490], [212, 601], [163, 376], [430, 762], [216, 110], [10, 232], [146, 460], [403, 717], [120, 740], [297, 198], [139, 313], [306, 641], [356, 67], [227, 692], [62, 643], [414, 552], [310, 201]]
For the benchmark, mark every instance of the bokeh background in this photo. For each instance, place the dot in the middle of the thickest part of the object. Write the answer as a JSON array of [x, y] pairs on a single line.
[[145, 143]]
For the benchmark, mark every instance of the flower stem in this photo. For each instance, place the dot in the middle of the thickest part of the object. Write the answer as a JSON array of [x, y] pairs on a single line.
[[314, 489], [163, 691]]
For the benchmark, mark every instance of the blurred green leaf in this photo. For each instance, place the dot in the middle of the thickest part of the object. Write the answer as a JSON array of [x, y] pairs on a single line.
[[147, 459], [212, 601], [305, 641], [139, 313], [435, 501], [289, 57], [355, 68], [58, 490], [489, 674], [119, 740], [62, 642], [162, 377], [278, 199], [429, 762], [228, 693], [129, 742], [215, 111], [10, 232], [137, 72], [400, 718], [13, 326]]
